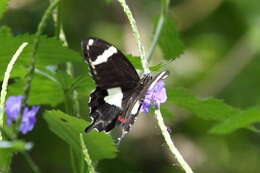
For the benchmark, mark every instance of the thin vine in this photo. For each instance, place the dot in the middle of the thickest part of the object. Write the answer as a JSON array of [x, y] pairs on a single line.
[[86, 155], [36, 42], [5, 84]]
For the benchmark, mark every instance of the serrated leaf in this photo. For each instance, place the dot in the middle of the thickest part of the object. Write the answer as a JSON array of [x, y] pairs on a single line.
[[3, 7], [241, 120], [68, 128], [169, 40], [209, 109]]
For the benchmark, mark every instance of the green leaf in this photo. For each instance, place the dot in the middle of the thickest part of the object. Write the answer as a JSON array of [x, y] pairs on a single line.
[[241, 120], [156, 67], [135, 60], [3, 7], [169, 41], [6, 150], [69, 128], [43, 91], [50, 52], [209, 109]]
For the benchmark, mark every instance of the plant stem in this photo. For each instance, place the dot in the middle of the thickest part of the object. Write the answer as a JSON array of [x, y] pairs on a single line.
[[86, 155], [159, 26], [31, 163], [69, 67], [170, 143], [136, 35], [36, 42], [5, 85], [72, 159]]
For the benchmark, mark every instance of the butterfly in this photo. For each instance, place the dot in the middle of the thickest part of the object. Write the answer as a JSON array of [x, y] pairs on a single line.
[[119, 92]]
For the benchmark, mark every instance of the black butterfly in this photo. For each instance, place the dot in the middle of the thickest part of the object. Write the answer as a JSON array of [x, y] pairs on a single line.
[[119, 91]]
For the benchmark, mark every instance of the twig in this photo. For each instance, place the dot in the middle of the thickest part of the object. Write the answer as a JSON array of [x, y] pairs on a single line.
[[159, 26], [5, 84], [136, 35], [36, 42], [170, 143], [86, 155]]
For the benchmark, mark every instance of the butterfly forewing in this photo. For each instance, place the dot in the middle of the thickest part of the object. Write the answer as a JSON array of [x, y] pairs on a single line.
[[108, 66]]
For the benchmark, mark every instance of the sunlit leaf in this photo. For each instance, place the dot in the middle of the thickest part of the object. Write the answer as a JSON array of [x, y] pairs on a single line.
[[69, 128]]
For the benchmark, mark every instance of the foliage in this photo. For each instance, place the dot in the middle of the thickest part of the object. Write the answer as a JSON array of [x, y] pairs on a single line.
[[169, 40], [221, 48]]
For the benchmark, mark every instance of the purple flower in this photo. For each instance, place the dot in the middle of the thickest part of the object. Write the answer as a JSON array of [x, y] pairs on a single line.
[[154, 96], [12, 108], [29, 119]]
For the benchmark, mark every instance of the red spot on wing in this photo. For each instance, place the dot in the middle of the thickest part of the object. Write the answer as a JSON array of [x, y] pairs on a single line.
[[121, 119]]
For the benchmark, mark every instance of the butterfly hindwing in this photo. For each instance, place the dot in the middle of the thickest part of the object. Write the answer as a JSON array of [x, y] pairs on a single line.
[[104, 113]]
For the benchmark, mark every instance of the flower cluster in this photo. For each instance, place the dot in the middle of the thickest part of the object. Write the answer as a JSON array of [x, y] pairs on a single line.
[[13, 108], [154, 97]]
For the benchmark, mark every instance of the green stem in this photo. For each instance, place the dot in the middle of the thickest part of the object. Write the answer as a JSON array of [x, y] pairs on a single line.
[[36, 42], [136, 35], [86, 155], [69, 67], [72, 159], [159, 26], [31, 163], [170, 143], [5, 85]]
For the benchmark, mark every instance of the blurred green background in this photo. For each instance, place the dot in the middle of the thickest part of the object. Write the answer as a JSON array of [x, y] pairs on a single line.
[[221, 59]]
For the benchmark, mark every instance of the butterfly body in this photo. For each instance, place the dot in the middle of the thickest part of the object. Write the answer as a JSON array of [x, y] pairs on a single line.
[[119, 92]]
